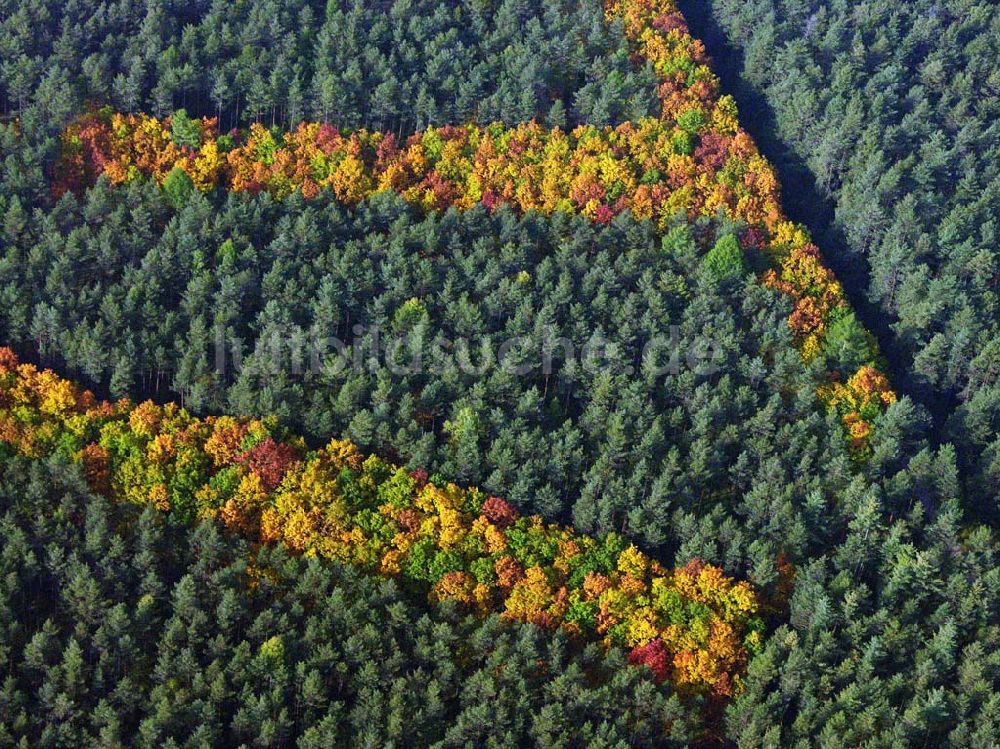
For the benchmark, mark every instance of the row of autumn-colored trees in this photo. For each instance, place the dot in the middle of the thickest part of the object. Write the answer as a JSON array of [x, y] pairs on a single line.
[[660, 35], [691, 625], [693, 159]]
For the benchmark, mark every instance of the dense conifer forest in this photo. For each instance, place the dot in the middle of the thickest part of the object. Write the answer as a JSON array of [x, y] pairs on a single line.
[[883, 123], [460, 373]]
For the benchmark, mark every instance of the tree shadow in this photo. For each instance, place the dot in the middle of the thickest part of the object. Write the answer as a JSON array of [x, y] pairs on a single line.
[[805, 203]]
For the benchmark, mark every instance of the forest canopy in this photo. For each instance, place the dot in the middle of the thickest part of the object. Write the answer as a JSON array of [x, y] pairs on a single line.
[[884, 126], [460, 527], [394, 66], [124, 627]]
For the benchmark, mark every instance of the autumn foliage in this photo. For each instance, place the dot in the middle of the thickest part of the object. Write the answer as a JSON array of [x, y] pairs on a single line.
[[694, 159], [653, 168], [692, 626], [859, 401]]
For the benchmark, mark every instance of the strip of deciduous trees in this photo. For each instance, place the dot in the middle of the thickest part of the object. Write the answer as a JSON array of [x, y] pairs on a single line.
[[691, 625]]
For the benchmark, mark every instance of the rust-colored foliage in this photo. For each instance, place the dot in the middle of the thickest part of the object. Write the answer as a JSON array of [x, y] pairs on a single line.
[[499, 512], [653, 655], [692, 625], [269, 461]]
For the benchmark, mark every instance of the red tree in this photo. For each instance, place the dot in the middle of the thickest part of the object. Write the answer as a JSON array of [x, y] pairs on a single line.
[[654, 655]]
